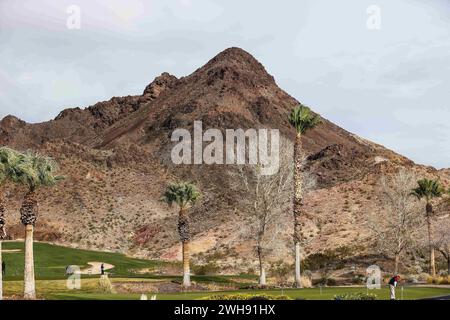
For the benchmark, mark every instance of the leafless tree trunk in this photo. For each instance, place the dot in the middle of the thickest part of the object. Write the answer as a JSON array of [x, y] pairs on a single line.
[[442, 239]]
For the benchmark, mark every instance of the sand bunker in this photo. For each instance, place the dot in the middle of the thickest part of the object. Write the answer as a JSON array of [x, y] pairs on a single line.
[[95, 268]]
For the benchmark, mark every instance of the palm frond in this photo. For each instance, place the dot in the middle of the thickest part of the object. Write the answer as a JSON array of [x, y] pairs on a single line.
[[182, 193], [428, 189], [30, 169], [303, 119]]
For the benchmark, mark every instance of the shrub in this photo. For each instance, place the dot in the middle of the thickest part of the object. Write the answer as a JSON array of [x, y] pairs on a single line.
[[243, 296], [325, 280], [438, 280], [207, 269], [356, 296], [423, 276], [308, 274], [104, 285], [281, 271], [412, 278], [306, 282], [359, 278]]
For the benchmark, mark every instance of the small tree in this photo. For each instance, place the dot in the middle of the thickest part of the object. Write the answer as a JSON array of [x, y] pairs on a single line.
[[428, 190], [184, 194], [396, 226], [302, 119]]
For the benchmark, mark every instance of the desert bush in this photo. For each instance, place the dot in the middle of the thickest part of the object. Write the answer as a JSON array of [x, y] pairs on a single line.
[[328, 258], [206, 269], [242, 296], [325, 281], [281, 271], [105, 285], [251, 270], [306, 282], [438, 280], [307, 274], [423, 276], [356, 296], [359, 278], [412, 278]]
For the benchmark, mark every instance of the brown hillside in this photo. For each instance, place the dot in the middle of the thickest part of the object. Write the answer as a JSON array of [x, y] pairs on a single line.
[[115, 156]]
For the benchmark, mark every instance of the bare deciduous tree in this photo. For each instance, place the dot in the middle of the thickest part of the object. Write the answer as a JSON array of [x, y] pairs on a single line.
[[269, 197], [395, 227], [442, 239]]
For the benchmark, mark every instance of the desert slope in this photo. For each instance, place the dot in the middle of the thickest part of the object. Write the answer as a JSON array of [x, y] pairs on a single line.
[[115, 156]]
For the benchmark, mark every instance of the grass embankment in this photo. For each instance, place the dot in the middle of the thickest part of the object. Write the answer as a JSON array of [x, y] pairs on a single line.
[[51, 261]]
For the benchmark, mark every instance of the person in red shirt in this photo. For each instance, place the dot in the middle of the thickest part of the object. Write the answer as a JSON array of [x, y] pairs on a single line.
[[393, 284]]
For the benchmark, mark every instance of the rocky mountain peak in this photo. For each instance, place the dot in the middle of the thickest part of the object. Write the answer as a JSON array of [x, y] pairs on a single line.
[[161, 83], [235, 66]]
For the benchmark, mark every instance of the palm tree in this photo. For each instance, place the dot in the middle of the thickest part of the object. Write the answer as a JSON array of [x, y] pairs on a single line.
[[302, 119], [183, 194], [9, 160], [429, 189], [34, 171], [2, 225]]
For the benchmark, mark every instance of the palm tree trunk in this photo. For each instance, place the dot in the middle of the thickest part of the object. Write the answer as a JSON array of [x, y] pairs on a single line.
[[186, 268], [29, 282], [298, 203], [2, 236], [429, 211], [1, 272]]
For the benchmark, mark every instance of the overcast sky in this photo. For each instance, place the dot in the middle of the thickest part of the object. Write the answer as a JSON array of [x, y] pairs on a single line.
[[390, 85]]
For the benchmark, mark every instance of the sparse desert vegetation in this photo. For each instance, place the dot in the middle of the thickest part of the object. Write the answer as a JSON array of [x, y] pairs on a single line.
[[244, 233]]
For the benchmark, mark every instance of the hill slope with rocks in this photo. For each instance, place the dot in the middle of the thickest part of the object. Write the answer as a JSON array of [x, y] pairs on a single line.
[[115, 156]]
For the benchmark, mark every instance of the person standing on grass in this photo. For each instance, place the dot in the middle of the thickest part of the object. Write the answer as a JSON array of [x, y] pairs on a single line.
[[393, 284], [102, 269], [3, 267]]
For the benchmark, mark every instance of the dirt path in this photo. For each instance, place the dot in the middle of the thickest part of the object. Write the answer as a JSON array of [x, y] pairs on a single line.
[[11, 250]]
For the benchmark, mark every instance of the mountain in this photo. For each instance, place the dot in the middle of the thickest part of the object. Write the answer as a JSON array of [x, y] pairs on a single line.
[[115, 156]]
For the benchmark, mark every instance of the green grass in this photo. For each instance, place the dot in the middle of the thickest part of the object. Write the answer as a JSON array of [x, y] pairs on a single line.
[[51, 261], [410, 293]]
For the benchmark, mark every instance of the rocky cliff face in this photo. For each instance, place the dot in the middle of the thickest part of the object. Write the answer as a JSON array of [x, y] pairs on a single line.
[[116, 159]]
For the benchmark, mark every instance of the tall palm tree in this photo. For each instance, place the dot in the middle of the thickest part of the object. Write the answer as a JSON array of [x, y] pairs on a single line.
[[34, 171], [9, 160], [302, 119], [184, 194], [2, 225], [429, 189]]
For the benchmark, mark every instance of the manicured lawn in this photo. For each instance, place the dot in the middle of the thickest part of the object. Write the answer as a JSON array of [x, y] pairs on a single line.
[[51, 261], [410, 293]]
